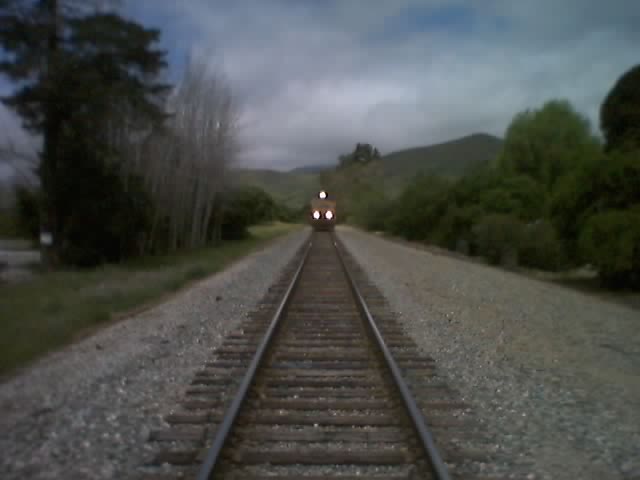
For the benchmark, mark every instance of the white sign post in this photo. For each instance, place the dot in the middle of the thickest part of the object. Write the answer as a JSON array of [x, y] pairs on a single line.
[[46, 239]]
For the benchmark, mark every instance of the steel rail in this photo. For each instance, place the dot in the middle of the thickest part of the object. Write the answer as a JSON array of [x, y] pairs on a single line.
[[437, 464], [213, 454]]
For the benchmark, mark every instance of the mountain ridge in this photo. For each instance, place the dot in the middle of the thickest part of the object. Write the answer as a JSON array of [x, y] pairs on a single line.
[[451, 158]]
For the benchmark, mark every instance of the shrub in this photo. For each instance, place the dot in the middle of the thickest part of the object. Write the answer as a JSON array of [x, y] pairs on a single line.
[[109, 224], [418, 209], [28, 212], [611, 242], [611, 183], [498, 238], [453, 231], [375, 215], [247, 206], [520, 196], [236, 219], [541, 247], [620, 112]]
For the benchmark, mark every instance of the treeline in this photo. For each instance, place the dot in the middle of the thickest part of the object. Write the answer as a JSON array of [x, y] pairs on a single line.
[[555, 197], [129, 165]]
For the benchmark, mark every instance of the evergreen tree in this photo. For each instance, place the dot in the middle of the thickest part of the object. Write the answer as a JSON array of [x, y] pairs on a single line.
[[620, 112], [75, 73]]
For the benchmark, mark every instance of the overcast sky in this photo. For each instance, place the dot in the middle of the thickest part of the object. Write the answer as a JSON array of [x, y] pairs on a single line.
[[314, 77]]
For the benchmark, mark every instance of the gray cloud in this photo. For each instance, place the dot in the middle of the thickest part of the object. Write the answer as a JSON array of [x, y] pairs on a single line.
[[313, 78], [315, 81]]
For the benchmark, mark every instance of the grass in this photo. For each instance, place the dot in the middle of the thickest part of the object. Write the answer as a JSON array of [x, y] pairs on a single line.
[[54, 309]]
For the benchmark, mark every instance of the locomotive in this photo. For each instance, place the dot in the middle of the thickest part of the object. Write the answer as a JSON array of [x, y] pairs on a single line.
[[323, 212]]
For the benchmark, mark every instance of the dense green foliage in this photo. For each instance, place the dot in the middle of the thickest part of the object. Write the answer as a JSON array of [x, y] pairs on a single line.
[[620, 112], [611, 241], [547, 144], [418, 208], [246, 206], [551, 199], [498, 237], [357, 184]]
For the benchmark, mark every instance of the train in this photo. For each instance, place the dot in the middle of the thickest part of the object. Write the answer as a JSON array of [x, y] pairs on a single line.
[[323, 213]]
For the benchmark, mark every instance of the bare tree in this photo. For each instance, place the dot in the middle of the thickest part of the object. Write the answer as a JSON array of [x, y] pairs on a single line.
[[184, 162]]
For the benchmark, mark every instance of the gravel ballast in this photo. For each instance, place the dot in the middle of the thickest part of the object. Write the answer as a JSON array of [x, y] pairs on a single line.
[[553, 374], [85, 412]]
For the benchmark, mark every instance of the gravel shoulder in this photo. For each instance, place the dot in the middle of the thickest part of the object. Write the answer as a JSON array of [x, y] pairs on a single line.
[[554, 374], [85, 412]]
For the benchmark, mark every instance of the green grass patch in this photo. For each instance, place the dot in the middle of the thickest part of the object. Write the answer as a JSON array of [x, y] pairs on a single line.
[[55, 308]]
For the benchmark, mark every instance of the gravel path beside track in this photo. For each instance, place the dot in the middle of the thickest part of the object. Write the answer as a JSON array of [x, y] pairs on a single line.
[[85, 412], [554, 374]]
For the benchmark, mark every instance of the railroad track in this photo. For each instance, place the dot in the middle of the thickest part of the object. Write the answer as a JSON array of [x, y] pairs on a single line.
[[320, 382]]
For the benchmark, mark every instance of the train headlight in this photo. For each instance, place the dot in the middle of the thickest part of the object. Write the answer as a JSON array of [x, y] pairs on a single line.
[[328, 215], [316, 215], [322, 194]]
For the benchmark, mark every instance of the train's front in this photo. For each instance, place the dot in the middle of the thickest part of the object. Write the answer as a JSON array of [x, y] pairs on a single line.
[[323, 212]]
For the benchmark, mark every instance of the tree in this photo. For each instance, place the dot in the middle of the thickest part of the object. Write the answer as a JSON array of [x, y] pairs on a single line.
[[420, 206], [362, 154], [520, 196], [498, 237], [76, 72], [620, 112], [185, 163], [611, 241], [599, 186], [356, 183], [547, 143]]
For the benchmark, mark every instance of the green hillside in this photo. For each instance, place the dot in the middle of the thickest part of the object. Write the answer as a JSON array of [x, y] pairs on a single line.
[[291, 188], [449, 159], [312, 169]]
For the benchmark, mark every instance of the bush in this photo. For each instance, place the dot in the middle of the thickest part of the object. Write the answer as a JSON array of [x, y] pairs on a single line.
[[236, 219], [611, 242], [498, 238], [520, 196], [104, 219], [285, 213], [247, 206], [541, 247], [599, 186], [547, 143], [28, 212], [375, 215], [453, 231], [416, 212], [620, 112]]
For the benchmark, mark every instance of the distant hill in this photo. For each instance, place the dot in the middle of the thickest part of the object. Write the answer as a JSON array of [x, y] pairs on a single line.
[[291, 188], [449, 159], [312, 169]]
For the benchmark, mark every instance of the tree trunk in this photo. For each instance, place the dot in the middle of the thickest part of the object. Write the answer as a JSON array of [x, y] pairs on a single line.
[[52, 128]]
